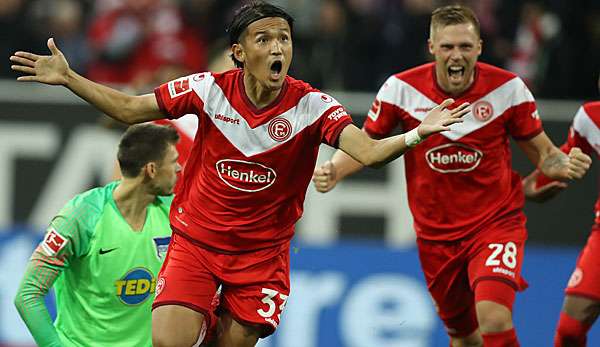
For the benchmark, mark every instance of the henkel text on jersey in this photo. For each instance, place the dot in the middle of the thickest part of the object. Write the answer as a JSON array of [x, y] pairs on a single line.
[[460, 181], [244, 184]]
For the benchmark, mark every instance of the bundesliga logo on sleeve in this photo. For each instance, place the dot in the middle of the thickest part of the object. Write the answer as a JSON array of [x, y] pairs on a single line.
[[179, 87], [53, 242]]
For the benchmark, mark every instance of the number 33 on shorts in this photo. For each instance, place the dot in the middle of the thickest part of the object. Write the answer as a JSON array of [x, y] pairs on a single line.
[[270, 307]]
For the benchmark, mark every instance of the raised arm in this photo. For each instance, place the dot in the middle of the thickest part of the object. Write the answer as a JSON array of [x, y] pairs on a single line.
[[552, 162], [357, 149], [54, 70]]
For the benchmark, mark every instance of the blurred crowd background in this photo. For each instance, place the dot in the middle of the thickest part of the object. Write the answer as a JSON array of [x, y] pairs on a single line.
[[53, 147], [352, 45]]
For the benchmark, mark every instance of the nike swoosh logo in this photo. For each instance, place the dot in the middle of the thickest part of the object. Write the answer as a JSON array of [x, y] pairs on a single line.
[[104, 251]]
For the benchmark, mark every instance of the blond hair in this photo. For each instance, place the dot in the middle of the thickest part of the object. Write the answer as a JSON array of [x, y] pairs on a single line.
[[452, 15]]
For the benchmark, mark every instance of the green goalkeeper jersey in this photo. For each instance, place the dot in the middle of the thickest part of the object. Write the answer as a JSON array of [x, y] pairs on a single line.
[[105, 272]]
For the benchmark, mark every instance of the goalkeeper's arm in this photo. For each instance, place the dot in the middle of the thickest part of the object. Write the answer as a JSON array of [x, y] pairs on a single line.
[[39, 277]]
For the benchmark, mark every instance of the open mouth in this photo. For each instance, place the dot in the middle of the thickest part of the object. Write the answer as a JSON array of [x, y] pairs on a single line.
[[456, 72], [276, 67]]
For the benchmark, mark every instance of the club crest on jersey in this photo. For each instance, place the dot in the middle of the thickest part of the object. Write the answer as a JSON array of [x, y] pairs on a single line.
[[575, 278], [453, 157], [482, 110], [162, 245], [280, 129], [136, 286], [244, 175], [179, 87], [53, 242]]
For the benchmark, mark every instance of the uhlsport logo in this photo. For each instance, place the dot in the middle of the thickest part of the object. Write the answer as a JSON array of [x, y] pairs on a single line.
[[280, 129], [244, 175], [453, 157], [483, 110], [136, 286]]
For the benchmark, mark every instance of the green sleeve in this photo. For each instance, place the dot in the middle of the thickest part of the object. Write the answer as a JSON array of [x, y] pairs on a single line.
[[39, 277], [65, 240]]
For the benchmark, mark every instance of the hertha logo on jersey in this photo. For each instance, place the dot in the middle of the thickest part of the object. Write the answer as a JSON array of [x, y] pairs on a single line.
[[162, 245]]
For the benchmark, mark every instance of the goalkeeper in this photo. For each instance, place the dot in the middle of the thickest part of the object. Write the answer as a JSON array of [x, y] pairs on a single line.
[[103, 250]]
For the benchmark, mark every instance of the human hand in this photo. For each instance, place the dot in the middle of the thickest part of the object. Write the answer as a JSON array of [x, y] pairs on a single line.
[[324, 177], [49, 69], [542, 193], [440, 118], [579, 163]]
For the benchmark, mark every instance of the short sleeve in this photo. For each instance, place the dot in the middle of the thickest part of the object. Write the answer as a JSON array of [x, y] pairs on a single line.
[[581, 129], [524, 122], [68, 234], [179, 97], [333, 121], [384, 115]]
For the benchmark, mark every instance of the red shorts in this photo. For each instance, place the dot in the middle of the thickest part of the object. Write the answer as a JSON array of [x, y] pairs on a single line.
[[255, 285], [453, 268], [585, 280]]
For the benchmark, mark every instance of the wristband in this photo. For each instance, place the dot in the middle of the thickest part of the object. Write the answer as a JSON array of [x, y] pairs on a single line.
[[412, 138]]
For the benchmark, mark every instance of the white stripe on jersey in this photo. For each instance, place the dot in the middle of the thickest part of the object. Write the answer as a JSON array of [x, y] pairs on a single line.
[[188, 124], [586, 128], [408, 98], [251, 141]]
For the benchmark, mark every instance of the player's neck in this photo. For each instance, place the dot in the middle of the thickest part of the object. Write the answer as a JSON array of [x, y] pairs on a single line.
[[132, 198], [259, 95]]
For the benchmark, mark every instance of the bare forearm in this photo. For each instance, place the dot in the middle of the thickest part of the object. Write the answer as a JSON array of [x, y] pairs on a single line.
[[118, 105], [384, 151], [555, 164], [345, 165]]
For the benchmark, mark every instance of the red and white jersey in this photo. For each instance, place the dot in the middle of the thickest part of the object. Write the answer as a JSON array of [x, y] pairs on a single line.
[[585, 134], [245, 181], [186, 127], [460, 181]]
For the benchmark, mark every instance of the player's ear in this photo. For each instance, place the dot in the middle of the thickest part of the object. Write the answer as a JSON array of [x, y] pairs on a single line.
[[430, 45], [150, 169], [238, 52]]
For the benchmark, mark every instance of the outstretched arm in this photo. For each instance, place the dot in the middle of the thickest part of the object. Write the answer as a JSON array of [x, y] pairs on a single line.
[[54, 70], [358, 149]]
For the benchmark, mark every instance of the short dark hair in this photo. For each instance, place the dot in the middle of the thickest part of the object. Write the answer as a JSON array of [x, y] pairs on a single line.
[[452, 15], [250, 13], [143, 143]]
